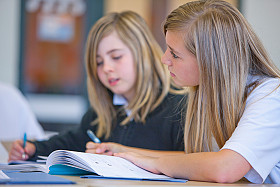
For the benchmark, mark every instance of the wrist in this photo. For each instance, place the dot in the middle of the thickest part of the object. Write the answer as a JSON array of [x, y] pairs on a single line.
[[122, 148]]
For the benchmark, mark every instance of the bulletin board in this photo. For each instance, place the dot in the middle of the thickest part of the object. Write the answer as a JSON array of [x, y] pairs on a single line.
[[51, 68]]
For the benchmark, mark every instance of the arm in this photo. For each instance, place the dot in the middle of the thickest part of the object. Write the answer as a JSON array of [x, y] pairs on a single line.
[[225, 166], [111, 148], [17, 150], [72, 140]]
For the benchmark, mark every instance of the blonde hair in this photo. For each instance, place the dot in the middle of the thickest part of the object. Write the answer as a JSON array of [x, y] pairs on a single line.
[[227, 51], [152, 82]]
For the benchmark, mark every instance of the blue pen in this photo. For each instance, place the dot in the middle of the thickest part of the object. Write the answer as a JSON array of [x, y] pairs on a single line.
[[93, 137], [24, 144]]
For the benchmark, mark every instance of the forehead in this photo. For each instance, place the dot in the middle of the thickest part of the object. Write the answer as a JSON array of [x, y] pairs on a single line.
[[111, 41], [175, 39]]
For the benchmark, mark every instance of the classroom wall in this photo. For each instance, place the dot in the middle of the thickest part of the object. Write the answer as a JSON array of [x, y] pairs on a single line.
[[261, 14], [264, 18], [9, 40]]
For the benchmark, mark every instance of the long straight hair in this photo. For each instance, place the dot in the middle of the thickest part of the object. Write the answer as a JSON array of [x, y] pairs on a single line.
[[152, 82], [227, 51]]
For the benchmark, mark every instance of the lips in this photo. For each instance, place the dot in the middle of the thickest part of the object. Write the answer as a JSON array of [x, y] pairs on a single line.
[[172, 74], [113, 82]]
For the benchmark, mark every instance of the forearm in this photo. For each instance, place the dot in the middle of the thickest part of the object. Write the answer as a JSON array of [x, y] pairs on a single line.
[[223, 166], [152, 153]]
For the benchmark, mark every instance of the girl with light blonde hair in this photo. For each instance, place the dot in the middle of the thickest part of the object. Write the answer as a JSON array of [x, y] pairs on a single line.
[[232, 121], [132, 101]]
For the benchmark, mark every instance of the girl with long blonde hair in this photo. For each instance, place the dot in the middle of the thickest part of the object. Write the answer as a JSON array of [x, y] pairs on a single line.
[[232, 121], [132, 101]]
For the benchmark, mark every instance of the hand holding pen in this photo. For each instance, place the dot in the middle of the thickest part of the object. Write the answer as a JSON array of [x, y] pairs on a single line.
[[97, 147], [93, 137], [24, 155], [21, 150]]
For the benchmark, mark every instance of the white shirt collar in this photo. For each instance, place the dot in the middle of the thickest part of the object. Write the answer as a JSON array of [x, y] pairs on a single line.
[[120, 100]]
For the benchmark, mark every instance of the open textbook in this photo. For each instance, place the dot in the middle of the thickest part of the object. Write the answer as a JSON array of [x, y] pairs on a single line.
[[62, 162]]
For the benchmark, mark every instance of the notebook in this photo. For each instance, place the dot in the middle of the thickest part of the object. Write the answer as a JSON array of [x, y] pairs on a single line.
[[18, 177], [30, 167], [63, 162]]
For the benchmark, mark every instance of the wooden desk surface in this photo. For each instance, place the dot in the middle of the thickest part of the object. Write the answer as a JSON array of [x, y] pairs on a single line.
[[112, 183], [119, 183]]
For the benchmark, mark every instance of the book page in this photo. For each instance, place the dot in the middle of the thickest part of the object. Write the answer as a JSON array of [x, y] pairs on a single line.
[[111, 166]]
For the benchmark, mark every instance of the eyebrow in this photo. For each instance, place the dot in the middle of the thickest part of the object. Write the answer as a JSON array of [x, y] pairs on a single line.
[[173, 50], [111, 51]]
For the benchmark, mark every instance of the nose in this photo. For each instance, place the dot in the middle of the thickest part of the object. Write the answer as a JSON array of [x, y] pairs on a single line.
[[107, 66], [165, 60]]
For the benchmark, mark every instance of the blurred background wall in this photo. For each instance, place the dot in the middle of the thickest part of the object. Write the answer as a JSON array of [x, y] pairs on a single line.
[[19, 52]]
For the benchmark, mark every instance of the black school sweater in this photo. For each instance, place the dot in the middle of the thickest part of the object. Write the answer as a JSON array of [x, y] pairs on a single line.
[[162, 131]]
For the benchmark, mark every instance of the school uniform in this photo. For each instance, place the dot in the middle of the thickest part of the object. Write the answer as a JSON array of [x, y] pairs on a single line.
[[161, 131], [257, 136], [16, 116]]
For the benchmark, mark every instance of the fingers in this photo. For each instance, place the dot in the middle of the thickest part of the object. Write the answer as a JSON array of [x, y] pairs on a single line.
[[91, 147], [103, 148], [18, 153], [29, 149], [146, 162], [97, 148]]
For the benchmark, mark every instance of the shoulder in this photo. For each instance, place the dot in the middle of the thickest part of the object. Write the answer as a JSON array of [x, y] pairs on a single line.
[[11, 94], [90, 113], [264, 101], [8, 89], [172, 103], [268, 88], [175, 98], [177, 101]]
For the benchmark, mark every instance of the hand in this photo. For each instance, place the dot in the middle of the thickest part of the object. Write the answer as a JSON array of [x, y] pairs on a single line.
[[146, 162], [104, 148], [17, 151]]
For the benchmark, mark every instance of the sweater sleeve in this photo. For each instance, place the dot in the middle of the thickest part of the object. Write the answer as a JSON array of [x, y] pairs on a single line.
[[74, 140]]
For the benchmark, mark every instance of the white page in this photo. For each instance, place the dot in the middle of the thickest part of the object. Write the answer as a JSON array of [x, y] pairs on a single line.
[[109, 166], [25, 167], [3, 175]]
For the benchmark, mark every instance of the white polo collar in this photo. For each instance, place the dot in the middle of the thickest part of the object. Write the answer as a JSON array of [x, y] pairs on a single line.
[[120, 100]]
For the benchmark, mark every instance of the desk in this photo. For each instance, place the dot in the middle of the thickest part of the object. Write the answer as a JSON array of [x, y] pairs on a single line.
[[119, 183], [126, 183]]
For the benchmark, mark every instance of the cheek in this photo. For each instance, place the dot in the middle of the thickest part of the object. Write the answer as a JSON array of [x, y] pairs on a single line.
[[101, 75], [128, 68], [193, 72], [130, 73], [165, 59]]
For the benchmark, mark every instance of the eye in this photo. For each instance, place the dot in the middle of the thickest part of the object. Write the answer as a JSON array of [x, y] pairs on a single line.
[[173, 54], [99, 62], [116, 57]]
